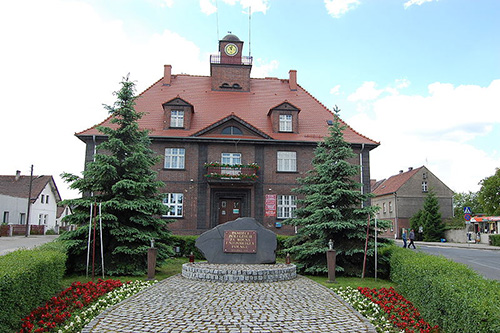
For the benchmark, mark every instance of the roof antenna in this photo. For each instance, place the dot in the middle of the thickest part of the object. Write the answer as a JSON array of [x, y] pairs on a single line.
[[217, 18], [249, 31]]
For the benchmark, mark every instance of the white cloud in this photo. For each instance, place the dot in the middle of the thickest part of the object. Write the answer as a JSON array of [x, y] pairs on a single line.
[[55, 80], [208, 6], [335, 90], [167, 3], [366, 92], [337, 8], [261, 68], [416, 2], [437, 130]]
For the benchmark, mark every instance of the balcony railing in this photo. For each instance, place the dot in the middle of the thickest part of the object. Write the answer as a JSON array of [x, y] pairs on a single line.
[[217, 171], [244, 60]]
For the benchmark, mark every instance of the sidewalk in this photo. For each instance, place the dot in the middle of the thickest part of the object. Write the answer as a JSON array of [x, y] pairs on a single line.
[[10, 244], [459, 245]]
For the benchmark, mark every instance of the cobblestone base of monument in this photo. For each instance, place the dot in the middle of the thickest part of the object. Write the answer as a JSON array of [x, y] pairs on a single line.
[[239, 273]]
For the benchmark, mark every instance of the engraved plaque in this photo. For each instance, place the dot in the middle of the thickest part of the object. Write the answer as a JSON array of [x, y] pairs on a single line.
[[240, 241]]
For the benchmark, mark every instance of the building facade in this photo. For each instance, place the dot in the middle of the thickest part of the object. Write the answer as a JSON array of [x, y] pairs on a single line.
[[401, 196], [232, 145]]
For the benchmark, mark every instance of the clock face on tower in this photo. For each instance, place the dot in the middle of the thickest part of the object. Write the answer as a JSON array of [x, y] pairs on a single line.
[[231, 49]]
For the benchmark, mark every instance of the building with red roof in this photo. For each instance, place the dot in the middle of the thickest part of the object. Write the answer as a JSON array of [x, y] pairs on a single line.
[[233, 145], [401, 196]]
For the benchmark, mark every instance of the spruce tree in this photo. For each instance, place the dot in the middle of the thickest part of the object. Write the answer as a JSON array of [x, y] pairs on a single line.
[[121, 179], [332, 208], [431, 219]]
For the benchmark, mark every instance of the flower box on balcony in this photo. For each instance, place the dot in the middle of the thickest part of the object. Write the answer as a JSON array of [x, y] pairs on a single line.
[[233, 172]]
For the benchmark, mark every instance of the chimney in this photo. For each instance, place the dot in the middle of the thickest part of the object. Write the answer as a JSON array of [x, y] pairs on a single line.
[[293, 80], [18, 175], [167, 74]]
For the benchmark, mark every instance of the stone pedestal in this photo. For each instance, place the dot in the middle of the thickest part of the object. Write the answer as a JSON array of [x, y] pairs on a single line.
[[331, 258], [152, 253], [238, 273]]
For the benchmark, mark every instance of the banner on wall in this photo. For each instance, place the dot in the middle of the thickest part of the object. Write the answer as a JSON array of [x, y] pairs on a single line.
[[270, 205]]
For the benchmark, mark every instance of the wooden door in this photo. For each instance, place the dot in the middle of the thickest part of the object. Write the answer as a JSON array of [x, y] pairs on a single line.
[[229, 209]]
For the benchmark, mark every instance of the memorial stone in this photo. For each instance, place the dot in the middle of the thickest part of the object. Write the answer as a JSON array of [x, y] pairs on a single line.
[[242, 241]]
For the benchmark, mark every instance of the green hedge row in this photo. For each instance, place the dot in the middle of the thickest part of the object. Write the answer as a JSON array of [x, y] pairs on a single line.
[[186, 245], [448, 294], [28, 278], [495, 240]]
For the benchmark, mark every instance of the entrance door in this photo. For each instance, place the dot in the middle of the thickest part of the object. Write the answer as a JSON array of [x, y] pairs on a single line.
[[229, 209]]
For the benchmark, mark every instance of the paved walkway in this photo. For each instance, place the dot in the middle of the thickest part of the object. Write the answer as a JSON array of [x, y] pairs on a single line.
[[178, 304]]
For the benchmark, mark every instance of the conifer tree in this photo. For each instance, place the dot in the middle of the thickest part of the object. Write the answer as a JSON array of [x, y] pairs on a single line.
[[431, 220], [332, 208], [122, 180]]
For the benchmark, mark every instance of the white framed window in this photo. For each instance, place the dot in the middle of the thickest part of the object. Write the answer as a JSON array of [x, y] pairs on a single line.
[[174, 158], [424, 186], [287, 161], [175, 203], [231, 159], [390, 206], [384, 208], [177, 118], [287, 204], [5, 217], [47, 199], [285, 123], [22, 218]]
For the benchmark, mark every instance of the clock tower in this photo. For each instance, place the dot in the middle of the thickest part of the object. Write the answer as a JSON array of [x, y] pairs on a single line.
[[229, 69]]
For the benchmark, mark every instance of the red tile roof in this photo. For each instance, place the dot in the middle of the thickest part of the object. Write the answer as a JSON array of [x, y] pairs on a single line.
[[251, 107], [393, 183], [20, 188]]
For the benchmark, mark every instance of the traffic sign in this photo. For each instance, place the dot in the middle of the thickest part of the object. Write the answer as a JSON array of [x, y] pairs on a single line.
[[467, 217], [467, 210]]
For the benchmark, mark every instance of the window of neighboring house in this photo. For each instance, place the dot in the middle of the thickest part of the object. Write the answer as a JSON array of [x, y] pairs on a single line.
[[40, 219], [5, 217], [232, 130], [424, 186], [47, 199], [390, 206], [42, 198], [175, 203], [287, 204], [287, 161], [176, 118], [45, 218], [285, 123], [22, 218], [231, 159], [174, 158], [384, 209]]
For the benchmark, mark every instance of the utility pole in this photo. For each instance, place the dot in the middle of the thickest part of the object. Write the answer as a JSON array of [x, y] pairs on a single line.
[[29, 204]]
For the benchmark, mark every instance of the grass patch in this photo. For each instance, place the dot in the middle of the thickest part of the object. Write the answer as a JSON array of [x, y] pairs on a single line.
[[353, 282]]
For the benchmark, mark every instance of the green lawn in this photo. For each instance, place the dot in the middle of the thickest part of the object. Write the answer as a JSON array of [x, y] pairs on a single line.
[[353, 282]]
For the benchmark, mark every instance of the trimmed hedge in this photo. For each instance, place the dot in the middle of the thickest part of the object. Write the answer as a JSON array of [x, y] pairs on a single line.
[[28, 278], [448, 294], [495, 240]]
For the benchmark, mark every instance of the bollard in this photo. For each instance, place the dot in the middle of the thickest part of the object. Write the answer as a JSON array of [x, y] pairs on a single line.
[[288, 259], [152, 252]]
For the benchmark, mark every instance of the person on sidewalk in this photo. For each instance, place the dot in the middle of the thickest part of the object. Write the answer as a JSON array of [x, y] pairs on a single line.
[[404, 238], [412, 238]]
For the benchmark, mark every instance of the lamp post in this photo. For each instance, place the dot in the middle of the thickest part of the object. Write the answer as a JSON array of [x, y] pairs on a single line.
[[330, 260]]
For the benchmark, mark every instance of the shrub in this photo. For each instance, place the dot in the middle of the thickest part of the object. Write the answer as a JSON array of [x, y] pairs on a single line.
[[280, 246], [495, 240], [27, 279], [187, 245], [448, 294]]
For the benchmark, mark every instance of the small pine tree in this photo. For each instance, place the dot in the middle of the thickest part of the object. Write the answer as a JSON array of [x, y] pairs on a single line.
[[332, 209], [431, 219], [122, 180]]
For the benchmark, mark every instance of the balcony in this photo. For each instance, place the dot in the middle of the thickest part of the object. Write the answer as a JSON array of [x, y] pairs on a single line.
[[217, 172], [244, 60]]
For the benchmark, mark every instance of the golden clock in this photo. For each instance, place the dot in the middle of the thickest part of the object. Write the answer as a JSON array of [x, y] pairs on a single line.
[[231, 49]]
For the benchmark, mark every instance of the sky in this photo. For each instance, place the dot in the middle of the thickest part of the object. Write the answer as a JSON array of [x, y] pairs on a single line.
[[422, 77]]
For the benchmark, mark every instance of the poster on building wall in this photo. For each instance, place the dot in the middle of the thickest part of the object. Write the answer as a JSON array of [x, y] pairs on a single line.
[[270, 205]]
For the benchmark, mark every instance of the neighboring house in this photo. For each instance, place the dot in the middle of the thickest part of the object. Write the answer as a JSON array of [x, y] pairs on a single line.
[[233, 146], [62, 212], [401, 196], [14, 192]]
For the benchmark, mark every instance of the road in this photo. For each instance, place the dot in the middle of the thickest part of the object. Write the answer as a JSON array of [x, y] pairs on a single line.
[[485, 262], [9, 244]]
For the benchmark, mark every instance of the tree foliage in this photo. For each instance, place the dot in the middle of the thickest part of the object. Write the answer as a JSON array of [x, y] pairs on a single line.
[[121, 179], [429, 218], [489, 194], [332, 208]]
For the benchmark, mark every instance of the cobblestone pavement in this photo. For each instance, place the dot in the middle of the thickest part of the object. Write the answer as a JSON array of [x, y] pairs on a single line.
[[178, 304]]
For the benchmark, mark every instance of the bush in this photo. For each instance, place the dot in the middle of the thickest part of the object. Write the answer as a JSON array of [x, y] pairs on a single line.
[[28, 278], [280, 246], [495, 240], [448, 294], [187, 245]]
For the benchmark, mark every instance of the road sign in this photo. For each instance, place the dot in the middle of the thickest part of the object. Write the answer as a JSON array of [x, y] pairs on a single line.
[[467, 217], [467, 210]]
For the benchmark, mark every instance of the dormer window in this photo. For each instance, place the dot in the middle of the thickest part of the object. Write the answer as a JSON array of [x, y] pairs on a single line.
[[232, 130], [177, 118], [286, 123]]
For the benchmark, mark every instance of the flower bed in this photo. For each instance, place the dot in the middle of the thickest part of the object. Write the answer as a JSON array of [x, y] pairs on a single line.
[[387, 310], [77, 305]]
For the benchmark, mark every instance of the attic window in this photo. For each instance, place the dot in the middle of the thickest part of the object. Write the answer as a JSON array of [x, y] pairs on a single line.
[[285, 123], [329, 122], [236, 86], [231, 130], [225, 85]]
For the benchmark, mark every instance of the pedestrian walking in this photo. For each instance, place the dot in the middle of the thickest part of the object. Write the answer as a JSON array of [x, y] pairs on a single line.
[[404, 238], [412, 238]]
